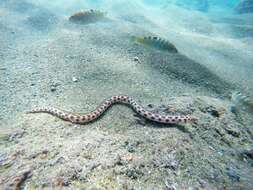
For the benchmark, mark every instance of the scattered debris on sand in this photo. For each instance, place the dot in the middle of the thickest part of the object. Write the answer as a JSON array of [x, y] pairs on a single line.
[[16, 182]]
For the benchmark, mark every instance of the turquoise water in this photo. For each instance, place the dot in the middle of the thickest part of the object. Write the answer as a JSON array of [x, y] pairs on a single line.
[[178, 59]]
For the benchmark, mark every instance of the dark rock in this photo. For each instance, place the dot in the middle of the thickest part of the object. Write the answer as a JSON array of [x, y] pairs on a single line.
[[245, 6], [232, 131], [119, 161], [233, 175], [53, 87], [151, 106], [213, 111], [130, 149], [133, 173], [248, 153], [136, 59]]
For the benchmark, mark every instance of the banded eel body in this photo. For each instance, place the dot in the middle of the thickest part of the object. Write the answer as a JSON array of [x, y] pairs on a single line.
[[81, 119]]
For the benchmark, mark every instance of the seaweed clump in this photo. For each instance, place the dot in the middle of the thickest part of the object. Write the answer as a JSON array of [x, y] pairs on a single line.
[[157, 43], [86, 17]]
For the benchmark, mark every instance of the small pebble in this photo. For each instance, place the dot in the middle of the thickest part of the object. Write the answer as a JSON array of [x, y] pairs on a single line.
[[74, 79], [136, 59], [53, 89], [169, 185], [133, 173], [151, 105]]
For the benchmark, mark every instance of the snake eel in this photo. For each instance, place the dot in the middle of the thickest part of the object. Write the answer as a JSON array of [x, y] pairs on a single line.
[[85, 118]]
